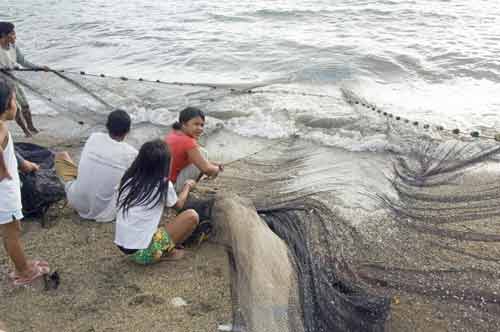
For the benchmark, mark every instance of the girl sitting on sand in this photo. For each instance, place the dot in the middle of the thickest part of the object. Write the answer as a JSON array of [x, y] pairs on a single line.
[[143, 192], [10, 195], [189, 160]]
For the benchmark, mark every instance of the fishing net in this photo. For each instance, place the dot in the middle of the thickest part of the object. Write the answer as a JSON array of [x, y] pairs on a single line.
[[429, 254], [93, 96], [417, 250]]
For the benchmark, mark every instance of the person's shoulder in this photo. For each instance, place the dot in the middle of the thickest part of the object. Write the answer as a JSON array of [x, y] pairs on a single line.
[[186, 140], [95, 142], [98, 135], [95, 136], [129, 149], [4, 129], [4, 133], [172, 136]]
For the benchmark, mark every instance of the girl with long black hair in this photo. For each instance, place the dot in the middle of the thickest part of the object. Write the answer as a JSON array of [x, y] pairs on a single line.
[[143, 193]]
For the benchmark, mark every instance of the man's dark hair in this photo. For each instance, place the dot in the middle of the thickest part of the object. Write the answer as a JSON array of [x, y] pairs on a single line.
[[6, 28], [118, 123]]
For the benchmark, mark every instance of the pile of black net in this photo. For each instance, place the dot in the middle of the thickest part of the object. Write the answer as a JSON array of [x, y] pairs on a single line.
[[427, 261]]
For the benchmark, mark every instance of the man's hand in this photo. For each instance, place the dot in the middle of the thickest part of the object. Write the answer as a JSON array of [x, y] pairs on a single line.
[[29, 167], [46, 68], [190, 184]]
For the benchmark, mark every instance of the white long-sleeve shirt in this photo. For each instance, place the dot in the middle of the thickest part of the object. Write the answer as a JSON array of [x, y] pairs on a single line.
[[12, 57]]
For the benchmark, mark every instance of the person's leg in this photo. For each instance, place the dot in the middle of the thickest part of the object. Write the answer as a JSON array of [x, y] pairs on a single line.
[[66, 168], [22, 104], [22, 101], [21, 122], [161, 247], [162, 244], [11, 234], [190, 172], [29, 120], [182, 226], [64, 156]]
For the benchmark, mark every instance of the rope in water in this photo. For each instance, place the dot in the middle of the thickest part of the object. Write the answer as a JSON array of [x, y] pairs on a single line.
[[288, 92], [350, 99], [122, 78], [207, 85], [475, 134]]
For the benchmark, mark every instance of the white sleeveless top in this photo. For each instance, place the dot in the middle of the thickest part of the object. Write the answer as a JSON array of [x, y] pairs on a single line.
[[10, 190], [8, 57]]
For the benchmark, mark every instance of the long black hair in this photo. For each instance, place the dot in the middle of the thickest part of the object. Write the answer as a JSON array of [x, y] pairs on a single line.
[[6, 91], [145, 182], [187, 114]]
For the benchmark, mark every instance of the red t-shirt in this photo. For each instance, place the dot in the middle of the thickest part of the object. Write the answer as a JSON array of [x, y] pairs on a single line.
[[179, 144]]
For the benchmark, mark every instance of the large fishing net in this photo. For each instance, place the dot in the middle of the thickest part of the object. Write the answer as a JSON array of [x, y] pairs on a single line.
[[420, 255]]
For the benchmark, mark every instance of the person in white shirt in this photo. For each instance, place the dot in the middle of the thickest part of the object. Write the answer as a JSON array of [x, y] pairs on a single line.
[[12, 58], [91, 188], [143, 194]]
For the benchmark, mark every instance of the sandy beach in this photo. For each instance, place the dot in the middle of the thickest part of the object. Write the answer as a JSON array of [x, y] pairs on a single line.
[[102, 291]]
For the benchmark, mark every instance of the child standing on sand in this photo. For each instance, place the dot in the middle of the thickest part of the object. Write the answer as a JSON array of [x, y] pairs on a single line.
[[143, 193], [10, 196]]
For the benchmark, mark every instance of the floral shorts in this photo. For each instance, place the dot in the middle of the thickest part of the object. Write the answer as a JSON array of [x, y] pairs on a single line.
[[160, 245]]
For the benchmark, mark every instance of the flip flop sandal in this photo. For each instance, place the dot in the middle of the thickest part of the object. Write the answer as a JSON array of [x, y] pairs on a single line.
[[40, 271], [41, 263]]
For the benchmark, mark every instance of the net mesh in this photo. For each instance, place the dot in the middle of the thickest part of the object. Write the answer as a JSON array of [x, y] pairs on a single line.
[[425, 258]]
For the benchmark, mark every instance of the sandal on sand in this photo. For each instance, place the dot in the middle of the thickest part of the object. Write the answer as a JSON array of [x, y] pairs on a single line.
[[39, 272], [41, 263], [175, 255]]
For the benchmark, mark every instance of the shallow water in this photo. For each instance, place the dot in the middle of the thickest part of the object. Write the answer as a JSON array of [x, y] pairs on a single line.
[[435, 62]]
